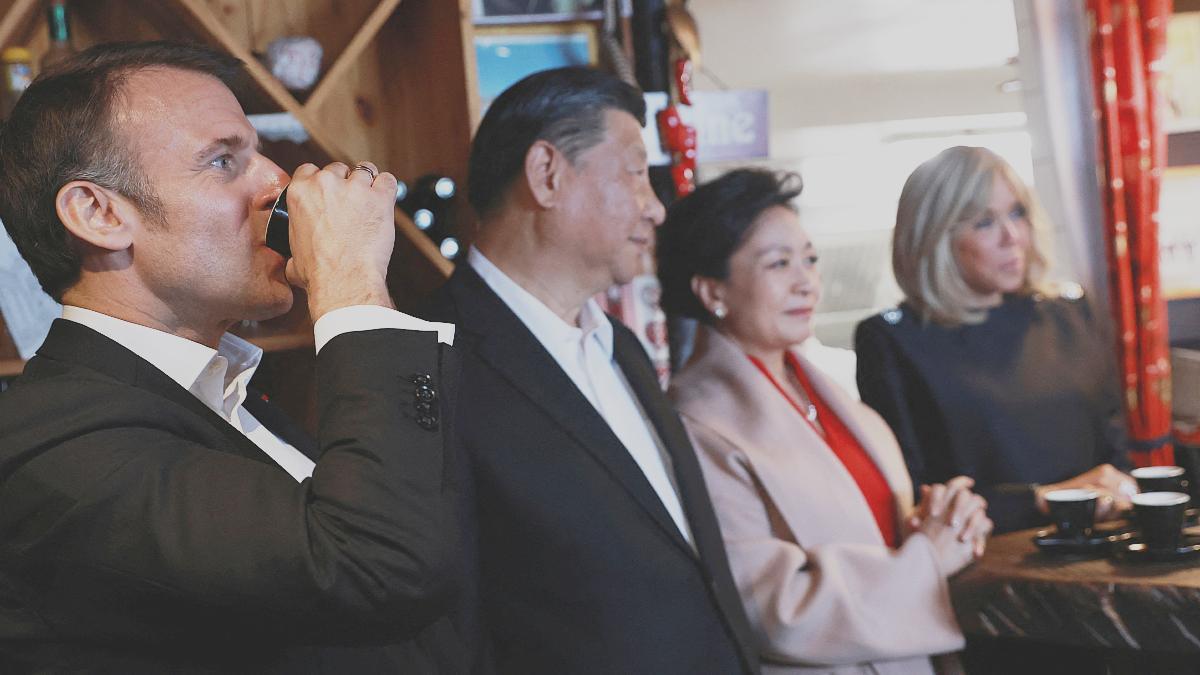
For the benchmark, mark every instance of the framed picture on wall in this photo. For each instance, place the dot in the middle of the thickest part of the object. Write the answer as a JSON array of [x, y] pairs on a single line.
[[505, 54], [542, 11]]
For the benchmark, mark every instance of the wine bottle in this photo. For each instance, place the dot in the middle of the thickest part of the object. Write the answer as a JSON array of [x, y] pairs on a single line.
[[436, 187], [450, 248], [430, 203], [58, 19], [424, 219]]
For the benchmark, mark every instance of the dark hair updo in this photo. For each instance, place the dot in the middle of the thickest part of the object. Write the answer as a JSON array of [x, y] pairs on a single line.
[[704, 229]]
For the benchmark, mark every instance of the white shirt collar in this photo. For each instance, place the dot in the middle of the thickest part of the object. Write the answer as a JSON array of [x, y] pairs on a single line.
[[549, 328], [209, 374]]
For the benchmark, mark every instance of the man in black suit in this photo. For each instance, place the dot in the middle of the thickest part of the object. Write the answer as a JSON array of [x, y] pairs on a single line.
[[155, 516], [590, 532]]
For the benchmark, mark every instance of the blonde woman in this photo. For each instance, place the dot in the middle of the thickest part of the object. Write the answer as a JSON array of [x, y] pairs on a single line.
[[979, 372], [838, 574]]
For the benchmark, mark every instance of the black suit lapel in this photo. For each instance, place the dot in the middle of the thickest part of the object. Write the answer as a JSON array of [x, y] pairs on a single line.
[[75, 343], [689, 478], [506, 344]]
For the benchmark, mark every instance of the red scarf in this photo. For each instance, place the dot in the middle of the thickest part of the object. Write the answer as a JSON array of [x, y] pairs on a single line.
[[847, 448]]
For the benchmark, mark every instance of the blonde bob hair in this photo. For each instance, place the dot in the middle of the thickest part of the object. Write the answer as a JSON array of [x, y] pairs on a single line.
[[940, 199]]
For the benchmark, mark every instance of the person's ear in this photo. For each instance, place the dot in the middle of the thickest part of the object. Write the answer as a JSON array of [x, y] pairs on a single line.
[[544, 166], [711, 293], [95, 215]]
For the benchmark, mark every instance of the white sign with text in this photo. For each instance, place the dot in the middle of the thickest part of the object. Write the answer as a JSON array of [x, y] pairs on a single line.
[[730, 125]]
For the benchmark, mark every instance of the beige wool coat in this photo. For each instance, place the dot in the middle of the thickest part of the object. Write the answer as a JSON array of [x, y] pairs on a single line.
[[823, 591]]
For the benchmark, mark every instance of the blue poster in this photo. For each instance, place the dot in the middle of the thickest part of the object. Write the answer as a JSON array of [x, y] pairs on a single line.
[[505, 59]]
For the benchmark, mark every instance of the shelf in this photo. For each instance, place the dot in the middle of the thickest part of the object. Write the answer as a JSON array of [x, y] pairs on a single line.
[[198, 15], [352, 51], [11, 367], [19, 16]]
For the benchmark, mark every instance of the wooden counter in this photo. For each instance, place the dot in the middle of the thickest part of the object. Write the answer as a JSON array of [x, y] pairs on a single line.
[[1017, 592]]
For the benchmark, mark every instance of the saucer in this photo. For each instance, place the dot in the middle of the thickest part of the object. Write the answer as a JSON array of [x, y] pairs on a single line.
[[1136, 551], [1099, 543]]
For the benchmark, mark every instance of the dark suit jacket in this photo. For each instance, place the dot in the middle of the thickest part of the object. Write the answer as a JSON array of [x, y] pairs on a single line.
[[140, 532], [580, 569]]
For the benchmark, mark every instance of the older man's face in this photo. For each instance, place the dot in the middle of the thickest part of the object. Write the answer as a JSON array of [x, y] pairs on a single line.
[[610, 209], [207, 262]]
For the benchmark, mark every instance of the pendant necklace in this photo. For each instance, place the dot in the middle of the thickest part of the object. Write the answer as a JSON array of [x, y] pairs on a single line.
[[810, 410]]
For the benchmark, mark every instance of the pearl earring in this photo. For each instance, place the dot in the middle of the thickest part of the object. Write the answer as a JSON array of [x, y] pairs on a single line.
[[719, 311]]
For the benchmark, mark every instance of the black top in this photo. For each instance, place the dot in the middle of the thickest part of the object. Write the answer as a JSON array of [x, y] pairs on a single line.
[[1028, 396]]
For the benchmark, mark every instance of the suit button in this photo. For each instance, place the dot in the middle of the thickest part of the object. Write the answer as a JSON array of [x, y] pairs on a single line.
[[427, 422], [425, 393], [421, 378], [423, 407]]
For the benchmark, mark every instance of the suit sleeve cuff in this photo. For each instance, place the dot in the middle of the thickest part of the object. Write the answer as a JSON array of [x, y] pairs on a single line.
[[372, 317]]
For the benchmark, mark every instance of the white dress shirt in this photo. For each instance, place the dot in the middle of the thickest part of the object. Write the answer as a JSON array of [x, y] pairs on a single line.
[[585, 353], [219, 377]]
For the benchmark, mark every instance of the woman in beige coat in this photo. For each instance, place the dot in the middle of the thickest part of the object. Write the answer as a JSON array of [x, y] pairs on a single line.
[[838, 572]]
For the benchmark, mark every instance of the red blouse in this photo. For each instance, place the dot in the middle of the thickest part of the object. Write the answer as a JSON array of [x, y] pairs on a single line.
[[847, 449]]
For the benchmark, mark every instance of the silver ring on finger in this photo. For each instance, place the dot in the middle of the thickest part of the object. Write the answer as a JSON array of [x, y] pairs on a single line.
[[363, 167]]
